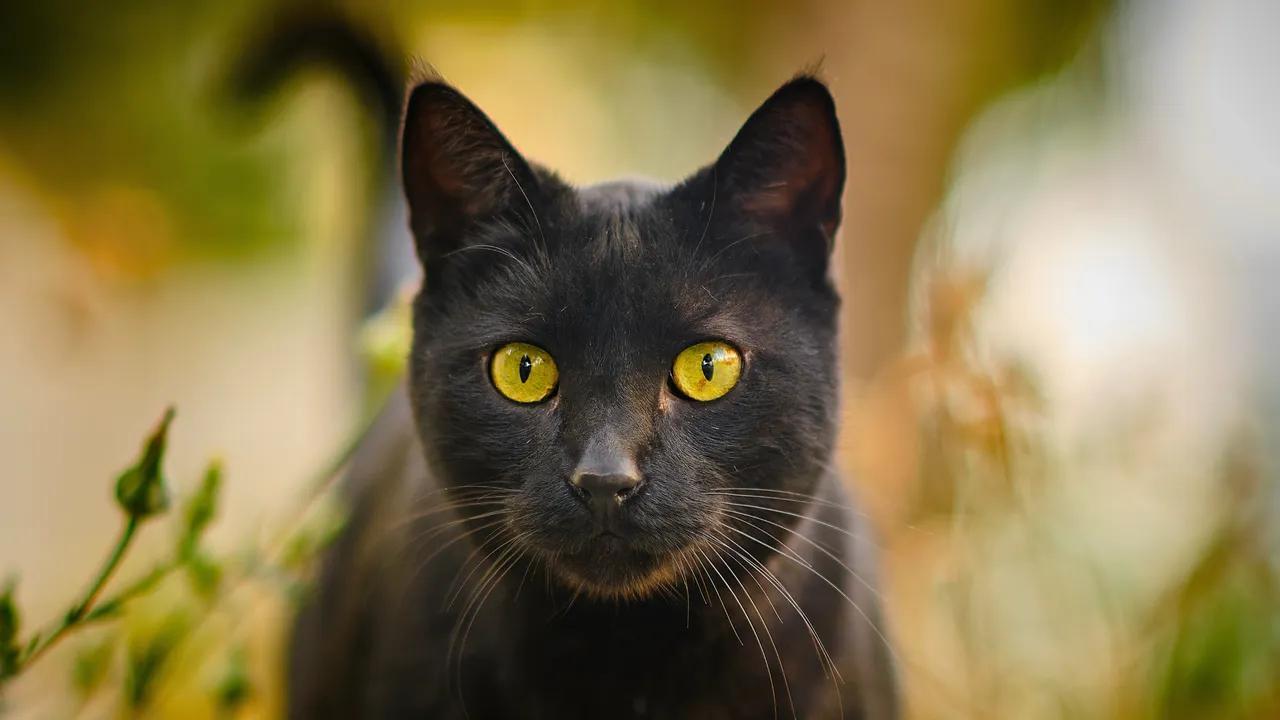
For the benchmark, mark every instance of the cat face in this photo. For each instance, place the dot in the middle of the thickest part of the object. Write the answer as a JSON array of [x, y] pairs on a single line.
[[593, 368]]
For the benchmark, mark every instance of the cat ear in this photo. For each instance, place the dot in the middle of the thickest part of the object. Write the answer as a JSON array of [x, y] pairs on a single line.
[[785, 168], [457, 168]]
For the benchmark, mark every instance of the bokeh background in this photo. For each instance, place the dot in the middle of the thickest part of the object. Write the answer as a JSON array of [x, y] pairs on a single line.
[[1061, 330]]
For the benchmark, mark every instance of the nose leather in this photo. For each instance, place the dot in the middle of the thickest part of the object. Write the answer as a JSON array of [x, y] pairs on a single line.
[[605, 493], [606, 475]]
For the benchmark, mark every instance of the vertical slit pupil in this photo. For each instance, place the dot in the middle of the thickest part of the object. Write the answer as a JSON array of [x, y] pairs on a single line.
[[526, 367], [708, 366]]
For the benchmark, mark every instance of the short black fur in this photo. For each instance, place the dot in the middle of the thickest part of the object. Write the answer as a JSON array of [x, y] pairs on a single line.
[[734, 580]]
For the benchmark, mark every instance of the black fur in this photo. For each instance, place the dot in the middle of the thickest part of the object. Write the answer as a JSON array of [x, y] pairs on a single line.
[[537, 613]]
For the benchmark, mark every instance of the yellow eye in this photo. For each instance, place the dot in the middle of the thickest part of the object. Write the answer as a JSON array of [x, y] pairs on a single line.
[[523, 372], [707, 370]]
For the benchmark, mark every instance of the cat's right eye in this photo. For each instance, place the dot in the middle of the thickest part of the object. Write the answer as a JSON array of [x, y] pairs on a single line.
[[524, 373]]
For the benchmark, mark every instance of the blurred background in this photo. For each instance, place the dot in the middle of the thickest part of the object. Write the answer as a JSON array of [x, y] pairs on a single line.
[[1062, 352]]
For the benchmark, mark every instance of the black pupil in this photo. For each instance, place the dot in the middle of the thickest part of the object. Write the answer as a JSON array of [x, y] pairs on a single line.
[[526, 366], [708, 367]]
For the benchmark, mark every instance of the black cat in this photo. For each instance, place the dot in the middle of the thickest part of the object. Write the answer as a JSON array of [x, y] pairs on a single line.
[[607, 491]]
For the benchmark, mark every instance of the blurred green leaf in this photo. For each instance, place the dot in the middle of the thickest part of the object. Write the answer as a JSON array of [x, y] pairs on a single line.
[[235, 686], [105, 609], [384, 343], [148, 656], [91, 666], [1224, 659], [204, 573], [142, 490], [200, 511], [9, 623]]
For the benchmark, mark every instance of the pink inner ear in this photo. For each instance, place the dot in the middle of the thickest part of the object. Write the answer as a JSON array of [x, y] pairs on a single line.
[[458, 161], [807, 192], [464, 164], [789, 160]]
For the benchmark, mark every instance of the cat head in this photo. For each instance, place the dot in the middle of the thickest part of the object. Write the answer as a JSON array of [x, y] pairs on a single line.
[[594, 370]]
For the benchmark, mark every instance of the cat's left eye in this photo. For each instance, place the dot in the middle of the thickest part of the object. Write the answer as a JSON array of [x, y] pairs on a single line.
[[707, 370], [523, 372]]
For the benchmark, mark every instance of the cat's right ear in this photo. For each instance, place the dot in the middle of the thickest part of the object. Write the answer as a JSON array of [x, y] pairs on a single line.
[[458, 169]]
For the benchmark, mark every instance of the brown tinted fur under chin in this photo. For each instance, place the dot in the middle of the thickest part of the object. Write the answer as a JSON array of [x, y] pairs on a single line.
[[663, 580]]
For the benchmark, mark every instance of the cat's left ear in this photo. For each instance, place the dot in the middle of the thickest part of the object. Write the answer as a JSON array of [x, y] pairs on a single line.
[[785, 168]]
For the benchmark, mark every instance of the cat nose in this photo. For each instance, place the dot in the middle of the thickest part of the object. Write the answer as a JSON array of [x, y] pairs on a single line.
[[606, 476], [606, 493]]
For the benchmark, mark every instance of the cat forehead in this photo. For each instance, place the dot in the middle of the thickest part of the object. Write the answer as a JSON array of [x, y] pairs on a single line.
[[615, 226], [620, 195], [616, 261]]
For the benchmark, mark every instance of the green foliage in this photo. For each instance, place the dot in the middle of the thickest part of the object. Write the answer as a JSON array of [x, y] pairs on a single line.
[[235, 687], [9, 624], [142, 493], [100, 99], [147, 657], [204, 573], [1223, 656], [385, 340], [91, 666], [200, 510], [142, 490]]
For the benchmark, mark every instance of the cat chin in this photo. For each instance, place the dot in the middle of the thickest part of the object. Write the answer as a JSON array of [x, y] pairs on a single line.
[[607, 576]]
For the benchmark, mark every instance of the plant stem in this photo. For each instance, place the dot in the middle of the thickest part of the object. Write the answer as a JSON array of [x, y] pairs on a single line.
[[141, 586], [78, 611]]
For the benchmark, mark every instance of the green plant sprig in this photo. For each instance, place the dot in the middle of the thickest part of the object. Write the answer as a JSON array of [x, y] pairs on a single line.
[[141, 493]]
